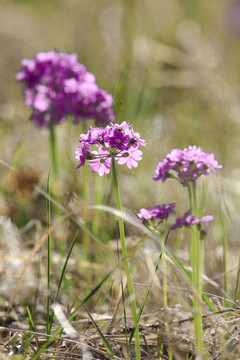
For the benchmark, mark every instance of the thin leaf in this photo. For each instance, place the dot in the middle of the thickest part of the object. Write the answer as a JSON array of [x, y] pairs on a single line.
[[146, 295], [236, 291], [104, 340], [63, 274], [32, 324]]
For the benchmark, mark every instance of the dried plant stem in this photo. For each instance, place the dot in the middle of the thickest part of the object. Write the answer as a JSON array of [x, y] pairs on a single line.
[[125, 256]]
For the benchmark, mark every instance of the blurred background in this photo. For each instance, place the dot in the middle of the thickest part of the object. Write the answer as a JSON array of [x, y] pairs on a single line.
[[174, 70]]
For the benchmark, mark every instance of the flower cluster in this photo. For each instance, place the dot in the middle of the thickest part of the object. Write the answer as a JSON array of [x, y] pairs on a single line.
[[188, 164], [189, 220], [159, 212], [57, 85], [115, 141]]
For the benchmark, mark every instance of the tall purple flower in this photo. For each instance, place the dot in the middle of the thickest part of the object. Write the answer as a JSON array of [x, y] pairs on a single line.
[[57, 85], [115, 141], [186, 165]]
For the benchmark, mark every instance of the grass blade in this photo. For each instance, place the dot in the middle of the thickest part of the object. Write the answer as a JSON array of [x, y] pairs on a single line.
[[49, 251], [147, 293], [224, 260], [47, 343], [236, 291], [32, 325], [104, 340], [62, 275]]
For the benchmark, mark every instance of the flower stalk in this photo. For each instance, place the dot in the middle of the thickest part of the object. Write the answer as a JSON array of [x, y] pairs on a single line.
[[126, 263], [165, 301], [186, 166], [197, 260], [53, 150]]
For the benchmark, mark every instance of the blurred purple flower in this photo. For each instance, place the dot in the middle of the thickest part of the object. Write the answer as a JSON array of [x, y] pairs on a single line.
[[186, 165], [114, 141], [158, 212], [57, 85], [189, 220], [82, 152], [232, 18]]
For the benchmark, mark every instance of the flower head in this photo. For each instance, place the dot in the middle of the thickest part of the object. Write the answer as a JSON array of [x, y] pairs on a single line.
[[101, 162], [158, 212], [129, 157], [81, 154], [57, 85], [189, 220], [114, 141], [186, 165]]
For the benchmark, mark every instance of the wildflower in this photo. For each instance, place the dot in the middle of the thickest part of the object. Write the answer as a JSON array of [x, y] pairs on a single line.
[[81, 154], [57, 85], [158, 212], [114, 141], [101, 162], [131, 157], [145, 214], [189, 220], [186, 165]]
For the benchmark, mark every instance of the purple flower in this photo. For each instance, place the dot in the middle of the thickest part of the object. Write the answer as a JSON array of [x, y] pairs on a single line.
[[81, 154], [186, 165], [114, 141], [101, 163], [158, 212], [57, 85], [231, 18], [119, 139], [145, 214], [162, 171], [189, 220], [131, 157], [93, 136]]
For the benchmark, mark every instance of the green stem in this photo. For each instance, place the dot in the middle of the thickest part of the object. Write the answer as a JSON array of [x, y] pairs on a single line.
[[85, 187], [195, 206], [165, 302], [125, 256], [197, 269], [55, 165], [49, 252], [190, 197], [86, 249], [98, 201], [53, 150], [224, 259], [192, 211]]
